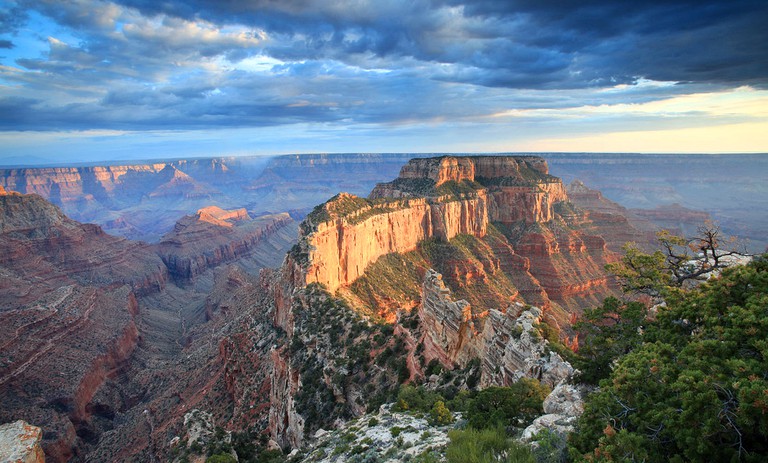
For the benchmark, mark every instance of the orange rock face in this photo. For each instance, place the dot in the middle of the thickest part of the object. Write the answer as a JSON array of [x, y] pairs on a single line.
[[341, 249], [444, 197]]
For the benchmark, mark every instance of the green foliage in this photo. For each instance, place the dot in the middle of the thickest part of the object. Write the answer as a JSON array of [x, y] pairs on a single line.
[[221, 458], [270, 456], [440, 415], [458, 190], [516, 405], [485, 446], [416, 399], [697, 389], [641, 273], [461, 401], [608, 332], [551, 447], [678, 260]]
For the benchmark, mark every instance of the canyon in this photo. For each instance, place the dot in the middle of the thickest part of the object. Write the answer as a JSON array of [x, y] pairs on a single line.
[[277, 317], [459, 205]]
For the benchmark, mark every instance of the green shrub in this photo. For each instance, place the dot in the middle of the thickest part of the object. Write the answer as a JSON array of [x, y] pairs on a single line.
[[516, 405], [485, 446], [440, 415], [221, 458], [416, 399]]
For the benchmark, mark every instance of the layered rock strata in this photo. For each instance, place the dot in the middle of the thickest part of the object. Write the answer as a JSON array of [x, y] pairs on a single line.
[[214, 236], [440, 199], [508, 343], [67, 318], [339, 249], [433, 198], [517, 188]]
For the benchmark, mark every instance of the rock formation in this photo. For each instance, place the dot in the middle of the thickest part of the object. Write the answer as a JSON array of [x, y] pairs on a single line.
[[214, 236], [539, 247], [67, 317], [20, 443], [508, 343], [341, 246], [442, 199], [562, 408]]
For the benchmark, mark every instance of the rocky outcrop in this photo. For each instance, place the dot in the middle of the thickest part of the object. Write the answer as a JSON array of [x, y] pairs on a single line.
[[433, 198], [286, 425], [450, 334], [20, 443], [451, 168], [517, 187], [510, 346], [510, 217], [562, 409], [214, 236]]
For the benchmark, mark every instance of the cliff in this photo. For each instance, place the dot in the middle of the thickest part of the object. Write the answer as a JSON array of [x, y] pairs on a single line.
[[530, 241], [215, 236], [498, 227], [68, 313], [352, 232], [433, 198], [517, 187], [507, 341]]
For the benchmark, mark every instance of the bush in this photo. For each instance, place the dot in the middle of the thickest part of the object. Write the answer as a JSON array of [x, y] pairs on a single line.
[[696, 388], [485, 446], [221, 458], [440, 415], [516, 405], [416, 399], [550, 447]]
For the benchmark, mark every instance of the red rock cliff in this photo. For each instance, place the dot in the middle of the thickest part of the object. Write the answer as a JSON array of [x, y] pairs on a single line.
[[436, 198], [340, 248]]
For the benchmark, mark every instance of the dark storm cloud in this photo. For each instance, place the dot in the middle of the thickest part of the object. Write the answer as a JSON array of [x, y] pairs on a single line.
[[11, 18], [500, 42], [136, 64]]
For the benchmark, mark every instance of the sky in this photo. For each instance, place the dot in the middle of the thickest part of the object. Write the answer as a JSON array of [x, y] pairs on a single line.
[[93, 80]]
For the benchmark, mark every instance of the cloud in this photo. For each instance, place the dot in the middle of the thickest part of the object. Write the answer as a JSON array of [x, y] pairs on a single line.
[[144, 64], [519, 43]]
